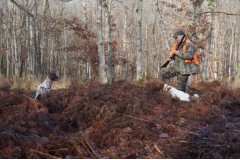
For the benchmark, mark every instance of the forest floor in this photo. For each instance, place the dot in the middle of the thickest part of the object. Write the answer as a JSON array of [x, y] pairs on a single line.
[[122, 120]]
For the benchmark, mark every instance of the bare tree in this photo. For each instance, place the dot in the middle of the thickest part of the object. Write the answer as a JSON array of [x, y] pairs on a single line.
[[35, 37], [196, 16], [101, 55], [139, 41], [107, 9], [208, 46], [161, 21]]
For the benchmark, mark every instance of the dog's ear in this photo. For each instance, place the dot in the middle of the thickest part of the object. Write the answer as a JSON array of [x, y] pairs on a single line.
[[161, 86], [53, 77], [168, 89], [194, 97]]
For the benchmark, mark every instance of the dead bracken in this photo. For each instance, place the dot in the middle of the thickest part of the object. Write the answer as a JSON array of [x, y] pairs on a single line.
[[122, 120]]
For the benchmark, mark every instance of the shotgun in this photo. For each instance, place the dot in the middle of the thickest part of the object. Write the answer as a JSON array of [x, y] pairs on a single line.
[[172, 57]]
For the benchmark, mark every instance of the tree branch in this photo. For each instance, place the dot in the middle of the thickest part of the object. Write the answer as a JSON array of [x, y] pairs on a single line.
[[126, 7], [21, 7], [219, 12], [66, 0]]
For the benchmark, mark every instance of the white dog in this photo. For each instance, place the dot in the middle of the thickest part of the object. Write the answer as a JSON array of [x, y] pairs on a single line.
[[46, 86], [175, 93]]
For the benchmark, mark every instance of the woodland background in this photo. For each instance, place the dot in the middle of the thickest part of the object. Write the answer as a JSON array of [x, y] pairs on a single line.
[[109, 40], [122, 43]]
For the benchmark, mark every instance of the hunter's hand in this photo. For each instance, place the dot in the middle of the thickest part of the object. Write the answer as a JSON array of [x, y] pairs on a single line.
[[176, 52]]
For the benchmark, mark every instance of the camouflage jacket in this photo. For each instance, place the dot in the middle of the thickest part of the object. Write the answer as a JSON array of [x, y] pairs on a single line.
[[179, 63]]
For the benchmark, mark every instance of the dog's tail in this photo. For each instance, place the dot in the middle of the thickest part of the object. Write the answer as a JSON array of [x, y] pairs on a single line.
[[194, 97], [37, 95]]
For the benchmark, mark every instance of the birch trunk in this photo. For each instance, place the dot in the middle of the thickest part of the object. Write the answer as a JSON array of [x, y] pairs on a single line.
[[85, 14], [231, 50], [236, 57], [65, 56], [30, 49], [139, 41], [85, 72], [15, 45]]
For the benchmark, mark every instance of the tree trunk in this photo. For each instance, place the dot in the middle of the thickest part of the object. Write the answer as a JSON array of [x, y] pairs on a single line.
[[161, 22], [65, 56], [85, 14], [208, 47], [125, 53], [196, 17], [207, 52], [38, 53], [1, 41], [139, 41], [109, 41], [102, 65]]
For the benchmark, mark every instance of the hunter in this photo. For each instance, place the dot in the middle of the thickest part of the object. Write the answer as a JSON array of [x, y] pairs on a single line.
[[185, 61]]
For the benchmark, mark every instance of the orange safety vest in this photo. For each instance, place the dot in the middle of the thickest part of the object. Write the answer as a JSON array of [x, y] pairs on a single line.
[[195, 60]]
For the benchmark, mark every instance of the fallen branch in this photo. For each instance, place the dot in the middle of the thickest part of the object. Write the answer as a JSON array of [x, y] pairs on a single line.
[[182, 141], [161, 152], [32, 152], [196, 134], [135, 117], [61, 149], [88, 149], [80, 152], [45, 154], [91, 148]]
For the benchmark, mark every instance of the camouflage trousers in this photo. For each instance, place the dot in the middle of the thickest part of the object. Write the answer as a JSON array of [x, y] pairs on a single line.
[[182, 80]]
